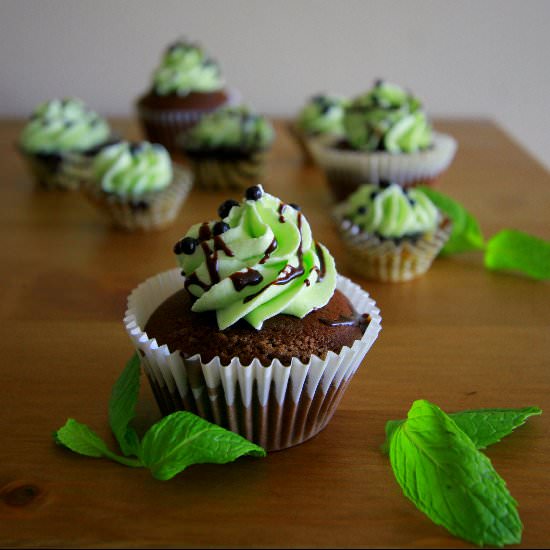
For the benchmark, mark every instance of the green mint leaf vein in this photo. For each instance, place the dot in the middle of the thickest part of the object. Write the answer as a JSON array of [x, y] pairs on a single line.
[[122, 407], [466, 234], [80, 439], [440, 470], [483, 426], [518, 251], [182, 439]]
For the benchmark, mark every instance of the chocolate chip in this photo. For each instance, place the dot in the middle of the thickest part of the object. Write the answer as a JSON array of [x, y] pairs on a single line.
[[383, 184], [135, 148], [186, 246], [362, 210], [225, 207], [253, 193], [219, 228], [295, 206]]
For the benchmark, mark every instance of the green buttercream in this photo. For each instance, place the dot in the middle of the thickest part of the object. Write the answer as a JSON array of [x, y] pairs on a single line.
[[133, 169], [391, 211], [63, 125], [273, 240], [230, 128], [186, 68], [323, 114], [387, 118]]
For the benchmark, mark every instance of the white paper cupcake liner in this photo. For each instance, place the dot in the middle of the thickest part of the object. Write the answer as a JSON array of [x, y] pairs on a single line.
[[387, 260], [276, 406], [346, 170], [152, 210]]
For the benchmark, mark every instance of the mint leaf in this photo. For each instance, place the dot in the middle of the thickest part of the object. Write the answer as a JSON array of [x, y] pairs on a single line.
[[82, 440], [122, 407], [518, 251], [466, 234], [446, 477], [182, 439], [483, 426]]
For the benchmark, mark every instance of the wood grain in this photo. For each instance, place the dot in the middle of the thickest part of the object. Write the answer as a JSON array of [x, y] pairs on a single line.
[[461, 336]]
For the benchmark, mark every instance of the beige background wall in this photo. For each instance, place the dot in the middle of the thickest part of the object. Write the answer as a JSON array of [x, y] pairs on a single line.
[[487, 58]]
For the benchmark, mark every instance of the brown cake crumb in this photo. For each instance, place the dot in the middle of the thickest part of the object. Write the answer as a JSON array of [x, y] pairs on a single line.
[[283, 336]]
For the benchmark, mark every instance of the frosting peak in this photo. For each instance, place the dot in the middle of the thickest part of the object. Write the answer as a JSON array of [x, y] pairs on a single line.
[[63, 125], [322, 114], [387, 118], [230, 128], [259, 261], [186, 68], [131, 169], [391, 211]]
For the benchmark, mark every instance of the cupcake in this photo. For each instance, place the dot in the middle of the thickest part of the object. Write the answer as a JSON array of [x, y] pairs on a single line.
[[387, 137], [391, 233], [321, 118], [56, 130], [256, 331], [227, 148], [186, 85], [136, 186]]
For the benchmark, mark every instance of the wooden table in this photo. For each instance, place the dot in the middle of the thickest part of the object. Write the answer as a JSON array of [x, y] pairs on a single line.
[[461, 337]]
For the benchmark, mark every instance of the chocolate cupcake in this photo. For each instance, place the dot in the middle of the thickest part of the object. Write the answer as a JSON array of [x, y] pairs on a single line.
[[388, 137], [186, 85], [391, 234], [258, 333], [227, 148], [56, 131], [135, 185]]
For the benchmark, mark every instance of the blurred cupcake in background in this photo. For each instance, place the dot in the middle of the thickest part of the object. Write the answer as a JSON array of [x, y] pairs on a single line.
[[321, 118], [187, 84], [56, 130], [136, 186], [387, 136], [391, 233], [227, 149]]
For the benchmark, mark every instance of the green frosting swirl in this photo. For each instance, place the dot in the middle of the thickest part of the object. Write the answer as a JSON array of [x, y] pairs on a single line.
[[264, 262], [230, 128], [387, 118], [186, 68], [133, 169], [391, 211], [63, 125], [322, 114]]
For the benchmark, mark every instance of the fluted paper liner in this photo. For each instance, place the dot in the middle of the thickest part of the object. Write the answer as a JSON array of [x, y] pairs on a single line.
[[345, 170], [386, 260], [275, 406]]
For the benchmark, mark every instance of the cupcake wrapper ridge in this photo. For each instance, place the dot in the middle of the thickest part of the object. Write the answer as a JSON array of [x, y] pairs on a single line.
[[346, 170], [276, 406], [387, 260]]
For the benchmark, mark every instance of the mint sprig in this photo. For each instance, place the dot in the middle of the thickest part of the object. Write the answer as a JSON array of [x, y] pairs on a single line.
[[440, 470], [436, 460], [508, 250], [483, 426], [466, 234], [168, 447], [518, 251]]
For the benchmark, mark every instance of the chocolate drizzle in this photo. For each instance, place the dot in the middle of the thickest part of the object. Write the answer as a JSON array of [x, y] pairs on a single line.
[[250, 277], [269, 250], [358, 320], [289, 272], [322, 270], [280, 210]]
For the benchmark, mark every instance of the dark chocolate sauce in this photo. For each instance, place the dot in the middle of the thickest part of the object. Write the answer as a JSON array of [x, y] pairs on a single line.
[[280, 210], [219, 244], [289, 272], [250, 277], [205, 232], [357, 320], [322, 264], [268, 251], [194, 280]]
